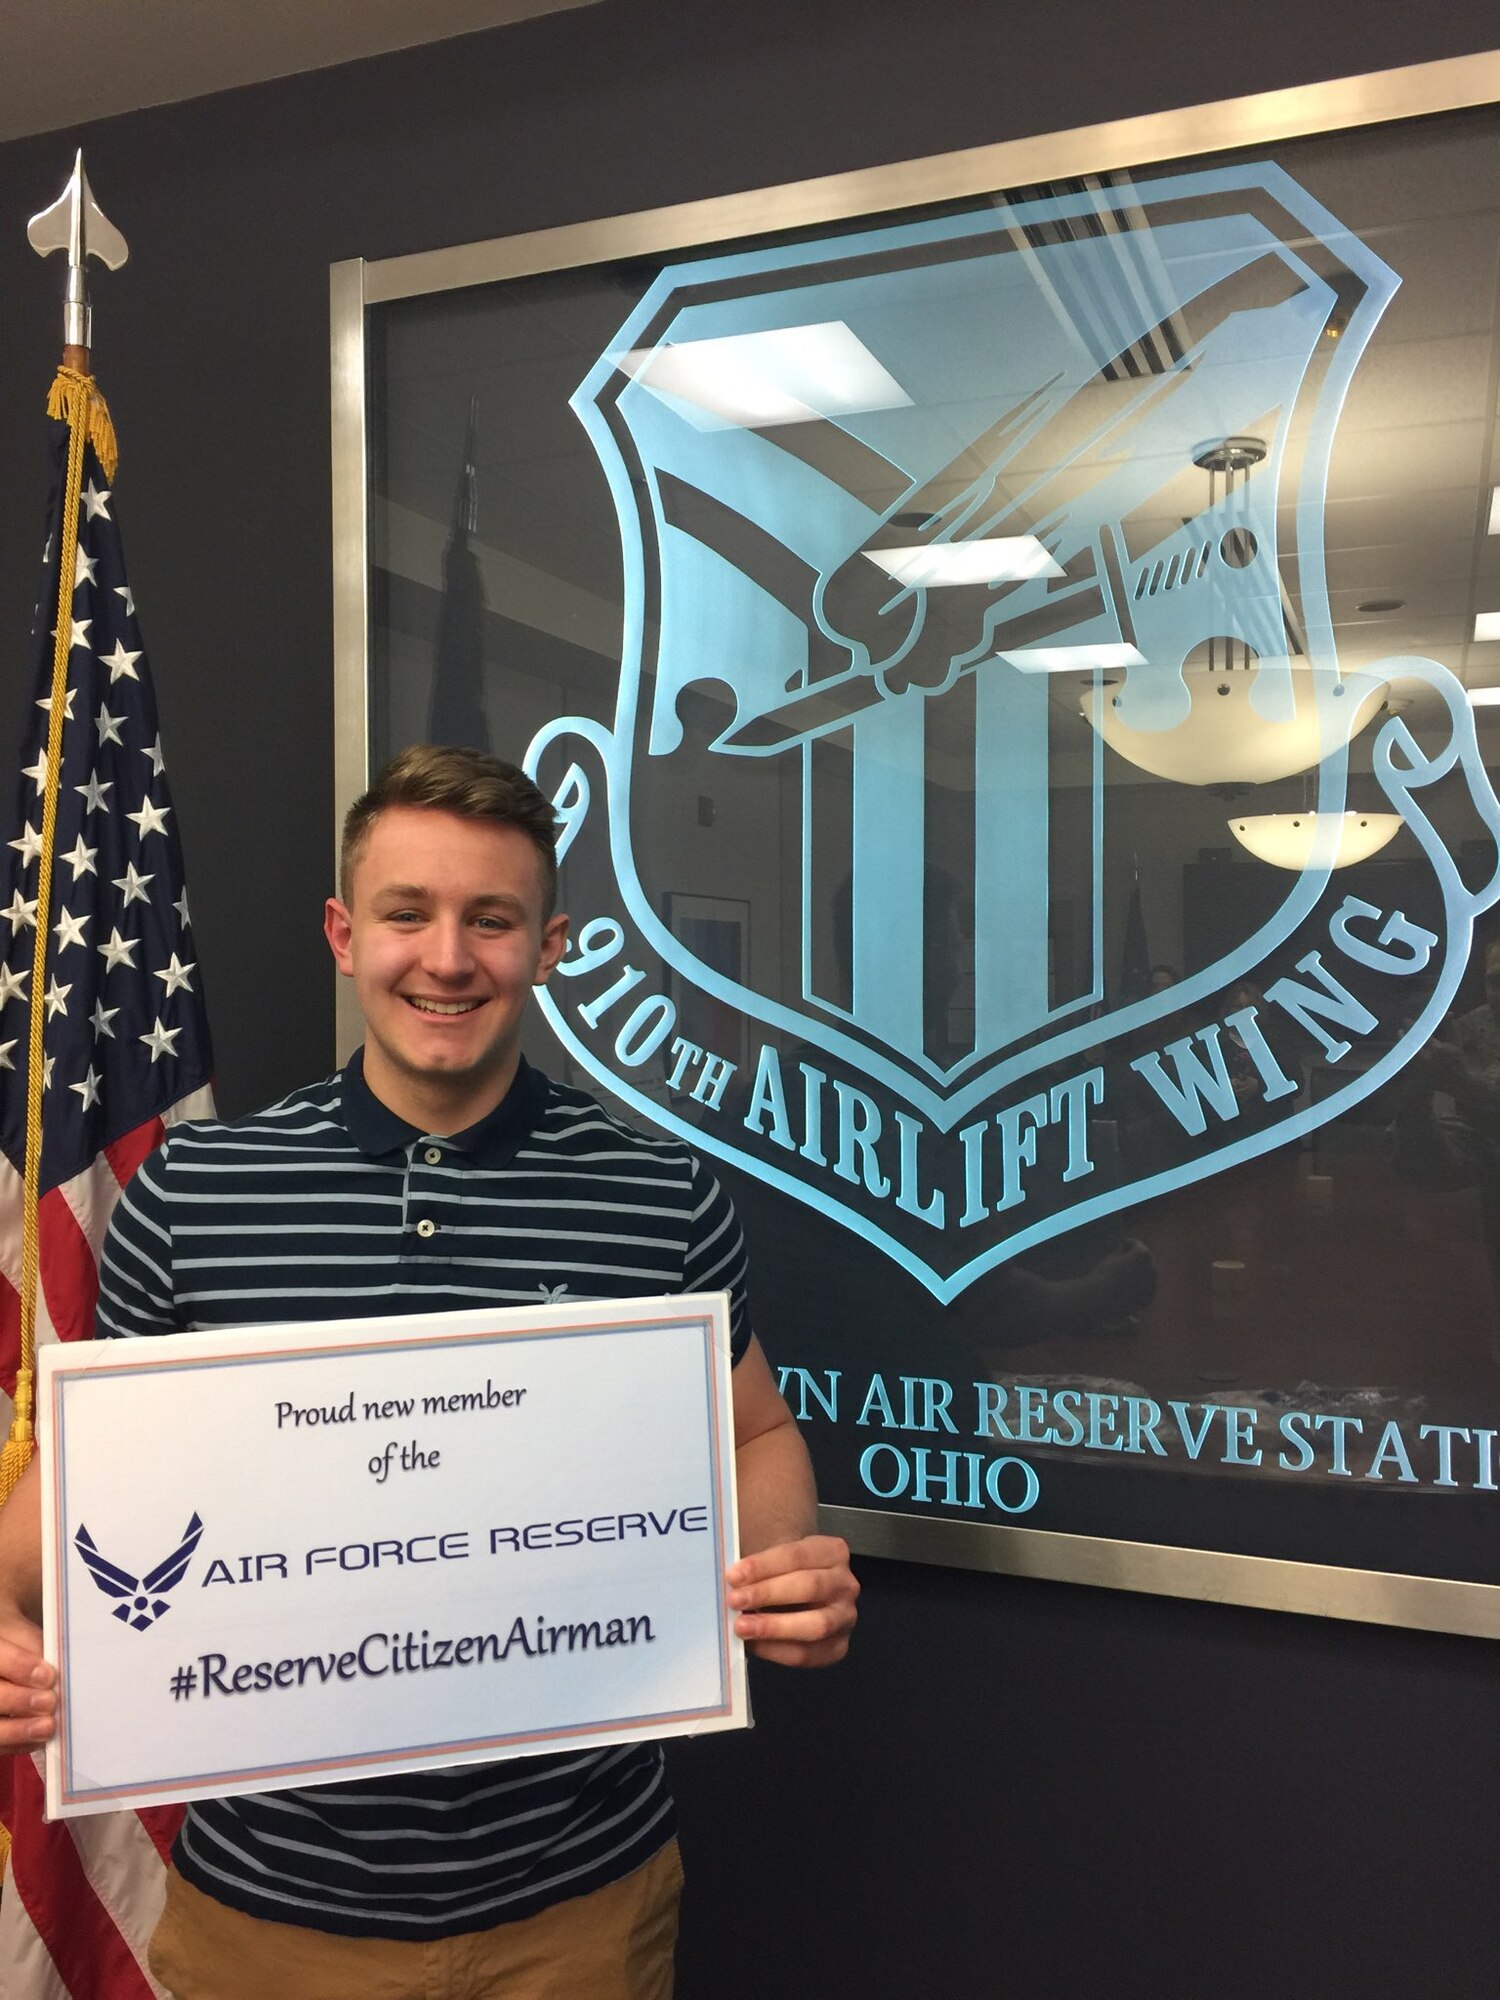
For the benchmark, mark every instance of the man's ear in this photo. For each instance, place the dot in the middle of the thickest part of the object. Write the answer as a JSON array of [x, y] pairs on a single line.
[[554, 944], [338, 928]]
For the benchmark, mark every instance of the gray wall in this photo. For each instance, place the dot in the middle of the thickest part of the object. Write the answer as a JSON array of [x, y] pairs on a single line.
[[1011, 1788]]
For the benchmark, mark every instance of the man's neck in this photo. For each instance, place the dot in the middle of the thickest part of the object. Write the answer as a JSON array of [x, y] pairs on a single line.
[[438, 1105]]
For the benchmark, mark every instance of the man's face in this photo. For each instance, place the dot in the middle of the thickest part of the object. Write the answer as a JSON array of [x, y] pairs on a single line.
[[444, 939]]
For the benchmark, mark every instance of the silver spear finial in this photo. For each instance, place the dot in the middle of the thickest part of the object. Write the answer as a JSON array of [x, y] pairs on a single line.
[[76, 223]]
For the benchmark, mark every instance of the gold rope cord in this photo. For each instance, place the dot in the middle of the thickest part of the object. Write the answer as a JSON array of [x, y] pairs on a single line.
[[76, 401]]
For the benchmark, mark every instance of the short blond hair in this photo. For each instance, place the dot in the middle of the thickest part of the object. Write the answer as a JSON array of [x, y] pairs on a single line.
[[447, 777]]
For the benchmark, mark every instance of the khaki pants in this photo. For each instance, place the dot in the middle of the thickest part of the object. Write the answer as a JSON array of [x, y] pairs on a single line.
[[615, 1944]]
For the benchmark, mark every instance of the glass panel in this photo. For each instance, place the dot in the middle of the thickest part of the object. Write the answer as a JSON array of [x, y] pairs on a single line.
[[1007, 674]]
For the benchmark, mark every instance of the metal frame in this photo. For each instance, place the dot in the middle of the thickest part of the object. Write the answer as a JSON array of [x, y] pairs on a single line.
[[1376, 1597]]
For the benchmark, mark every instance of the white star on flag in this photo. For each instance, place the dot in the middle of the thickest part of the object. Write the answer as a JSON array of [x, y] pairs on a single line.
[[44, 703], [80, 633], [21, 913], [176, 974], [37, 772], [108, 726], [57, 998], [158, 762], [29, 846], [160, 1040], [79, 858], [12, 985], [68, 930], [116, 950], [95, 502], [150, 818], [124, 590], [120, 662], [88, 1090], [93, 792], [84, 567], [181, 907], [133, 885], [47, 1062], [5, 1057], [101, 1018]]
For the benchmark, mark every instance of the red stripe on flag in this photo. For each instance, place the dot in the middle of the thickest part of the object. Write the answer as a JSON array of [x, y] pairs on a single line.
[[10, 1335], [91, 1956], [126, 1153], [162, 1823], [68, 1269]]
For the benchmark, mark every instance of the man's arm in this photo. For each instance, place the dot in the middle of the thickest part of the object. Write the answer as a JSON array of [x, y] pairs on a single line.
[[793, 1590], [27, 1698]]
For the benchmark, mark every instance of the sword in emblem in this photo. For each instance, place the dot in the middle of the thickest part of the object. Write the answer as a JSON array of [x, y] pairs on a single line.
[[1148, 441]]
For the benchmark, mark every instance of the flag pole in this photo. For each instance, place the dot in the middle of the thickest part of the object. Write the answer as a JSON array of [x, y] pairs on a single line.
[[74, 223]]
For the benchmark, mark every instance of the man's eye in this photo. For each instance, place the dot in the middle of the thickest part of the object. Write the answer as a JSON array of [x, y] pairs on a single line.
[[492, 923], [404, 917]]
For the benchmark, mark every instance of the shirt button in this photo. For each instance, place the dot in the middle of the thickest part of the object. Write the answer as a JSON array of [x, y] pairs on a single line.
[[426, 1228], [433, 1155]]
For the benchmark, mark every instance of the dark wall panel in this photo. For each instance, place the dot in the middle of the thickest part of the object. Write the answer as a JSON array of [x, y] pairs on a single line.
[[1012, 1789]]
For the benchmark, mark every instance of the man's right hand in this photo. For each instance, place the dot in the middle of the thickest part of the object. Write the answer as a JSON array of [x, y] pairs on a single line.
[[28, 1685]]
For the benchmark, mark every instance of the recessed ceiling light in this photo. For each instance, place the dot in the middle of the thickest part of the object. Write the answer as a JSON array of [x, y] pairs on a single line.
[[941, 565], [1374, 604], [1487, 625], [1495, 510], [783, 375], [1484, 697], [1068, 659]]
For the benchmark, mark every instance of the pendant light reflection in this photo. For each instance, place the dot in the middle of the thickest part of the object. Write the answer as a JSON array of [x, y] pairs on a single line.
[[1224, 742], [1212, 598], [1287, 840]]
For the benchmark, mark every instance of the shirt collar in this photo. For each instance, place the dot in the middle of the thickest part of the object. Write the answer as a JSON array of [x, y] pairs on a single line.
[[491, 1142]]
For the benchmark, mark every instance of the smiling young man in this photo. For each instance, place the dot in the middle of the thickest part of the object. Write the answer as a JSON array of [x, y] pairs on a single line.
[[438, 1169]]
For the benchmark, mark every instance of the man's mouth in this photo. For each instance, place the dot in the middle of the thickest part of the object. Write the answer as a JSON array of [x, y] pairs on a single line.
[[441, 1006]]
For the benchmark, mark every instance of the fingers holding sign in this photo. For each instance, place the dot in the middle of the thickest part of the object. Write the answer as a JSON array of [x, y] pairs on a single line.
[[28, 1699], [795, 1603]]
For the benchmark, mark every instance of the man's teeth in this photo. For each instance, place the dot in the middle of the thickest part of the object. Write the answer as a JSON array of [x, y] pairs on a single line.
[[444, 1006]]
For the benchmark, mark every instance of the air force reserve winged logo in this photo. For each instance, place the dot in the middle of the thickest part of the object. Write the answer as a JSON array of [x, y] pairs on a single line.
[[142, 1599], [876, 494]]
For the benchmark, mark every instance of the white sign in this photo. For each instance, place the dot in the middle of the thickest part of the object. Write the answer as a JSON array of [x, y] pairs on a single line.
[[364, 1546]]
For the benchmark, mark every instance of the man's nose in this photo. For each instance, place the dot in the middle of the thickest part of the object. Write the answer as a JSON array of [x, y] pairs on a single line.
[[447, 953]]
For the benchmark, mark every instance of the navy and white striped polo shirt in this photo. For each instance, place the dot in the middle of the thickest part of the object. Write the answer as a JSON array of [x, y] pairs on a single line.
[[310, 1210]]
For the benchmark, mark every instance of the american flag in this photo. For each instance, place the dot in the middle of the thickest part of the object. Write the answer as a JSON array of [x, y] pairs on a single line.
[[126, 1054]]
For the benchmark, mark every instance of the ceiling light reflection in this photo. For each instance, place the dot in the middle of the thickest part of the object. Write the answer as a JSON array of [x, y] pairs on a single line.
[[1074, 659], [940, 565], [1287, 840], [1224, 740], [753, 381]]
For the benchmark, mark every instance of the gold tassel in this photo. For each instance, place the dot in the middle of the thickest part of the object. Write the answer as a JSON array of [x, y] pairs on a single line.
[[61, 403], [16, 1455]]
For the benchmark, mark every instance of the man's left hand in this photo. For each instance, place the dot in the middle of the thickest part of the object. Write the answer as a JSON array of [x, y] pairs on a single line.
[[795, 1602]]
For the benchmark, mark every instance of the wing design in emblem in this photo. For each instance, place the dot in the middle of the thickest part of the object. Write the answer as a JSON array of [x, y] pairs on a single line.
[[172, 1570], [144, 1597], [111, 1579]]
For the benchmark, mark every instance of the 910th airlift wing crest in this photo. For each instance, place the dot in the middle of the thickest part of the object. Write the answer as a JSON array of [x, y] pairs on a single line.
[[873, 490], [143, 1598]]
